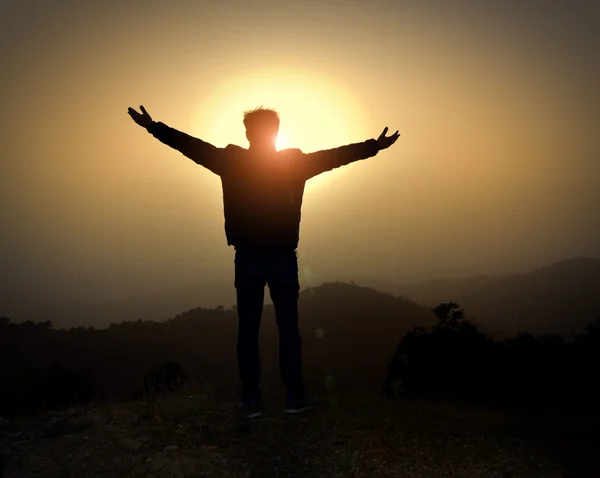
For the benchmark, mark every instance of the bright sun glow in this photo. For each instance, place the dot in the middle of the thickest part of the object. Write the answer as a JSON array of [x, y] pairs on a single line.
[[281, 142], [315, 112]]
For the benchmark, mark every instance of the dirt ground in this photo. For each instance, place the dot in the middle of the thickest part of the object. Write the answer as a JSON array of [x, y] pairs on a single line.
[[349, 435]]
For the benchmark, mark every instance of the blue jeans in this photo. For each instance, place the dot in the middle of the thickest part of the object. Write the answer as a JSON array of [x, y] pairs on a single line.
[[280, 271]]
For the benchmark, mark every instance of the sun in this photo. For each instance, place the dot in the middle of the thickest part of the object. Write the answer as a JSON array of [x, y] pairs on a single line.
[[281, 142], [316, 111]]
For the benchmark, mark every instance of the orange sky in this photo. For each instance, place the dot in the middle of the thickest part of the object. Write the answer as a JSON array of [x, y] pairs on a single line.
[[496, 169]]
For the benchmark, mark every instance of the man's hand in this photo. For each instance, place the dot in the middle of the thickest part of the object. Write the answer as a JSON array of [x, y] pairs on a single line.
[[384, 141], [143, 119]]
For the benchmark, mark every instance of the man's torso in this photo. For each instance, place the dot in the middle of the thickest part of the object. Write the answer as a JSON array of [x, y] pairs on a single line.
[[262, 198]]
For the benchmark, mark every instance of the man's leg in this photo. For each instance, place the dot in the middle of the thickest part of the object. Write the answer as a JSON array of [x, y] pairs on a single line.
[[284, 289], [250, 287]]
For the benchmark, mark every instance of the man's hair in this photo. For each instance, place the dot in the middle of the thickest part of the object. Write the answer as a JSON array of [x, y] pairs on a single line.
[[261, 117]]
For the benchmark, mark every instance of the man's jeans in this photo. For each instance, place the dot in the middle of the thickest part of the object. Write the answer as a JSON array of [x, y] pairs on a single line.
[[280, 271]]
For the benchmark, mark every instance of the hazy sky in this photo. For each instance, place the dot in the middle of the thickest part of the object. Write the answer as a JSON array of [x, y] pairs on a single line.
[[497, 168]]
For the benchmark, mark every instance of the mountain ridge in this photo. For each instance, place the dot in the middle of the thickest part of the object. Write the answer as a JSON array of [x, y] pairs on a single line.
[[560, 298], [557, 298]]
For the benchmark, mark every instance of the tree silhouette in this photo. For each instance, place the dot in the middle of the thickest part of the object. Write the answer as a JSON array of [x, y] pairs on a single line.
[[449, 315], [448, 358]]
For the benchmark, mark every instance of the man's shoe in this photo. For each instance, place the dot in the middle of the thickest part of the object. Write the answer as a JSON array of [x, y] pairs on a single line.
[[298, 403], [252, 408]]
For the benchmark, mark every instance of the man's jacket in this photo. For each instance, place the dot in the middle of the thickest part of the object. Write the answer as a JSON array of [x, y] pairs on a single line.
[[262, 195]]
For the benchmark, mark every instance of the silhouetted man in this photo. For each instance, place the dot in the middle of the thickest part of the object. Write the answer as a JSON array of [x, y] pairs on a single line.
[[262, 198]]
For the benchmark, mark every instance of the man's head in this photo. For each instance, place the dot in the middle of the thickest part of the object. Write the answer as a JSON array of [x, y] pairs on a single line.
[[262, 127]]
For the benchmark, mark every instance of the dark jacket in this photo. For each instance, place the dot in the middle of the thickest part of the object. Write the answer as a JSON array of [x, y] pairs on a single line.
[[262, 196]]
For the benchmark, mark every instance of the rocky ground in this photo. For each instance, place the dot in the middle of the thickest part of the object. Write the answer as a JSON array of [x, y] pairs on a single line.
[[350, 435]]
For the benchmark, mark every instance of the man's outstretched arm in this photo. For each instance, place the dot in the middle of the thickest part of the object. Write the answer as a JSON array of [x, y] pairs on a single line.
[[328, 159], [201, 152]]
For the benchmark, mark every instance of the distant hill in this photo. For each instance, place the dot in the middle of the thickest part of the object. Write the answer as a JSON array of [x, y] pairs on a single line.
[[349, 334], [559, 298], [155, 305], [348, 331]]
